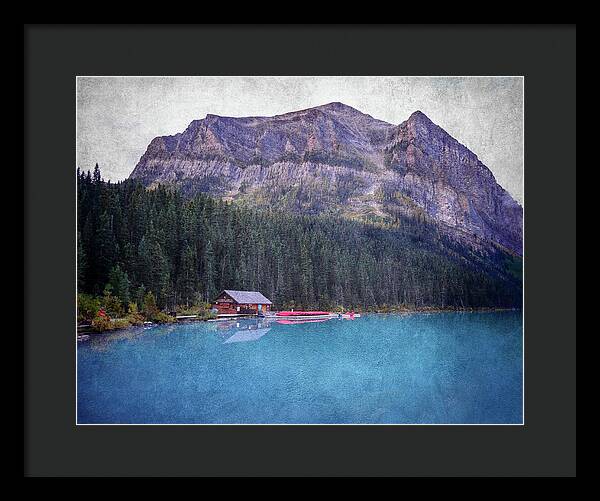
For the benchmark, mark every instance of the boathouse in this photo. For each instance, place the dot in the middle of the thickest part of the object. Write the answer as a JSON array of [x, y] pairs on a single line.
[[241, 303]]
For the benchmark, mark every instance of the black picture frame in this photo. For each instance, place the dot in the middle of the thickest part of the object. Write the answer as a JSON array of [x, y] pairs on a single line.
[[55, 54]]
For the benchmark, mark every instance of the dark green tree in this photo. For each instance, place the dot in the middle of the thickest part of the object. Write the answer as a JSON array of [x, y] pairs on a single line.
[[119, 282], [81, 263]]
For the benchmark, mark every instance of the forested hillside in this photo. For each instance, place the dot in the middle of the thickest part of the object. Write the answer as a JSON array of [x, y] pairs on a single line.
[[185, 250]]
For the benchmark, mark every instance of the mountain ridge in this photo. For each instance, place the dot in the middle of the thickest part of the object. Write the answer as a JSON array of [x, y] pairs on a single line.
[[335, 159]]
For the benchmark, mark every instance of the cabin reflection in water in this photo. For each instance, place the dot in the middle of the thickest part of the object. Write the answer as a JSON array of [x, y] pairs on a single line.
[[247, 335], [243, 330]]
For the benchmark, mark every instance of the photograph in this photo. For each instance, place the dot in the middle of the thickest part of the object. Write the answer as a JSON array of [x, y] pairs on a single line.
[[299, 250]]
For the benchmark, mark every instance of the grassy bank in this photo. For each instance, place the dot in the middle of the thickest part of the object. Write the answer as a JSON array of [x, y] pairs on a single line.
[[108, 312]]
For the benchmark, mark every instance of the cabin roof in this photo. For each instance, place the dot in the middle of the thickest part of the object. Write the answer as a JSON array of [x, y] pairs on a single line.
[[247, 297]]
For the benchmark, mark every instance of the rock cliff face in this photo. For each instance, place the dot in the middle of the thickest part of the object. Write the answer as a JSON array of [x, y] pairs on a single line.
[[335, 159]]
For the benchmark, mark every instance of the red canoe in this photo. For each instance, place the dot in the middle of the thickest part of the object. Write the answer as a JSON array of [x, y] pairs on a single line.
[[301, 321], [301, 313]]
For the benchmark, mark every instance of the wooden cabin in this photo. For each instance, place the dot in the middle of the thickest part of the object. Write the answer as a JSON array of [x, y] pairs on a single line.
[[241, 303]]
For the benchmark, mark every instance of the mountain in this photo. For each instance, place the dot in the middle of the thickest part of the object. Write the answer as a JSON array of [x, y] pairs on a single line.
[[333, 159]]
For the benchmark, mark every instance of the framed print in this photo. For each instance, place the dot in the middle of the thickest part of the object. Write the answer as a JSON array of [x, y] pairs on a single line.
[[335, 254], [376, 264]]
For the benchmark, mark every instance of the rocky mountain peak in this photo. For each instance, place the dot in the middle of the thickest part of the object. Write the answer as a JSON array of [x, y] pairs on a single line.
[[334, 158], [337, 107], [419, 117], [421, 124]]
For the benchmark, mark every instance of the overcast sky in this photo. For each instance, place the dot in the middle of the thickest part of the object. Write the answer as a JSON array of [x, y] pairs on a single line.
[[118, 116]]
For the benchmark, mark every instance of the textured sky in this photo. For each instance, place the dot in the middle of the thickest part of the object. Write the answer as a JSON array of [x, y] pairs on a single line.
[[118, 116]]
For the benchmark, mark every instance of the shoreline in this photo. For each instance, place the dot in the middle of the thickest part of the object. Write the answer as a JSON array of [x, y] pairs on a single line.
[[443, 310], [82, 333]]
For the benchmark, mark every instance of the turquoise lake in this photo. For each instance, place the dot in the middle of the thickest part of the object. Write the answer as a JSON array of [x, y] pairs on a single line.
[[402, 369]]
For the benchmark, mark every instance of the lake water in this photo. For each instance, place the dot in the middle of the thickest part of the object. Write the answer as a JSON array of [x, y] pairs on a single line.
[[414, 368]]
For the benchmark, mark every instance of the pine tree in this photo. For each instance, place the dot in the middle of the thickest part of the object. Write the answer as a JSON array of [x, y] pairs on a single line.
[[149, 306], [119, 282], [208, 274], [97, 177], [306, 276], [188, 278], [105, 246], [139, 295], [81, 263]]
